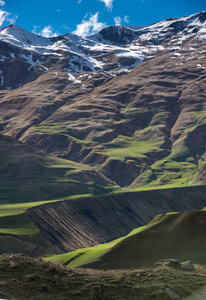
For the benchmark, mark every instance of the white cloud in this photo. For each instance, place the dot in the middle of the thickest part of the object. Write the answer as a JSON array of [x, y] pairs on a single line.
[[5, 16], [126, 19], [117, 20], [79, 1], [91, 26], [47, 31], [108, 4], [65, 26]]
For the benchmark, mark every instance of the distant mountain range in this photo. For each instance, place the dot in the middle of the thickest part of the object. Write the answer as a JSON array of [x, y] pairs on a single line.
[[114, 50]]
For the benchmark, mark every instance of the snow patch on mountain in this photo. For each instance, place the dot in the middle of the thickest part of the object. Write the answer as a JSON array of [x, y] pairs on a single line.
[[130, 53], [2, 78], [30, 61], [72, 78]]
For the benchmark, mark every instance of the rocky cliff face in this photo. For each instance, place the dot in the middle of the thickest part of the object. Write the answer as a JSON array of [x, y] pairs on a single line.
[[123, 101]]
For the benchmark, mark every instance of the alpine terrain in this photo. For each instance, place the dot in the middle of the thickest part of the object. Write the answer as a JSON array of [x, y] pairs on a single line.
[[100, 134]]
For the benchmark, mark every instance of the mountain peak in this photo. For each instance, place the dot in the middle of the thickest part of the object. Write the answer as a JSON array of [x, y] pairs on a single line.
[[202, 16], [117, 34], [19, 36]]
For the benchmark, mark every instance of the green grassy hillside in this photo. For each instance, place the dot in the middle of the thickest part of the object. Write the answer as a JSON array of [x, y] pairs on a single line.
[[84, 256], [176, 235], [29, 178]]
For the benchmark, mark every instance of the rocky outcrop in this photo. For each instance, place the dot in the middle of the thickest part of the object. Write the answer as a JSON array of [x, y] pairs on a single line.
[[174, 263], [187, 266], [201, 178]]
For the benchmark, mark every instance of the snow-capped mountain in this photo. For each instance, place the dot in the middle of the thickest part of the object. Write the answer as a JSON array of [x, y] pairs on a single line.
[[112, 51]]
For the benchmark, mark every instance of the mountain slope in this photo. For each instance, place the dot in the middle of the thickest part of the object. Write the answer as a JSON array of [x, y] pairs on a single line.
[[114, 48], [28, 175], [134, 120], [123, 101]]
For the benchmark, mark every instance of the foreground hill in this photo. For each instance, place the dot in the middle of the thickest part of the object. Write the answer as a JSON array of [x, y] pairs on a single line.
[[180, 236], [25, 278]]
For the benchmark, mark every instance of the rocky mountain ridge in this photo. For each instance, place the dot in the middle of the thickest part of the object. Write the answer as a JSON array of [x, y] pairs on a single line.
[[113, 50]]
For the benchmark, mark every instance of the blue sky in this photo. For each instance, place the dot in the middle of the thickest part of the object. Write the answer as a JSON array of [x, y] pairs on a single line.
[[84, 17]]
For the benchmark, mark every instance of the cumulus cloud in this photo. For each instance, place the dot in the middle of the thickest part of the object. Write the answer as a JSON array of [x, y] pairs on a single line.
[[108, 4], [6, 16], [47, 31], [3, 16], [91, 26], [117, 20], [126, 19]]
